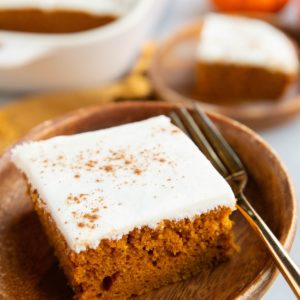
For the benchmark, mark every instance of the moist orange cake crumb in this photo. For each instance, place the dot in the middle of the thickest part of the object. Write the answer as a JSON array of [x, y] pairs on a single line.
[[145, 258]]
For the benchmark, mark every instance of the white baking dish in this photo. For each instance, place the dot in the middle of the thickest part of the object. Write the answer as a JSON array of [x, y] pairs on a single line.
[[31, 62]]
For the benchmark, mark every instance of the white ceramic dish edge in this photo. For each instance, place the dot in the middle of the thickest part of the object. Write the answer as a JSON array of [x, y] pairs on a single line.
[[33, 62]]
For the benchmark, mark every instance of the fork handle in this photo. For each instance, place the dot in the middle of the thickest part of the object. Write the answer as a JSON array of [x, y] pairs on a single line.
[[287, 267]]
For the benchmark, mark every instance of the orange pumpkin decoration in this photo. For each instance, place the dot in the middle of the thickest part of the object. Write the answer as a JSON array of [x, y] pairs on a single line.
[[250, 5]]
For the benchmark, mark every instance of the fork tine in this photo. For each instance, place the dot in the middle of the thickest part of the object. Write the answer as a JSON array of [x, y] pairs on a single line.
[[176, 120], [186, 121], [220, 145]]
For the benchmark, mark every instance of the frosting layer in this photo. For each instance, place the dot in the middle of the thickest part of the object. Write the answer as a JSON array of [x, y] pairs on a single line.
[[246, 41], [103, 184]]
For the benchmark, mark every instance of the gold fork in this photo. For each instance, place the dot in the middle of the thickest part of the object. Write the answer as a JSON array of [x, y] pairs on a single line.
[[210, 141]]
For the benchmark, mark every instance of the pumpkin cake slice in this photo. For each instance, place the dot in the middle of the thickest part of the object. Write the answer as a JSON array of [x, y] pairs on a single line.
[[129, 208], [240, 58]]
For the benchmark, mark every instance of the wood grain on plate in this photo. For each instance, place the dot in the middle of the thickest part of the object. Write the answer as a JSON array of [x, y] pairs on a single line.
[[173, 76], [29, 270]]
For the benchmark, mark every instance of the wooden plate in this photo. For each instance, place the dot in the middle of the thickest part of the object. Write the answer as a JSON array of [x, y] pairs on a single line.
[[30, 271], [172, 75]]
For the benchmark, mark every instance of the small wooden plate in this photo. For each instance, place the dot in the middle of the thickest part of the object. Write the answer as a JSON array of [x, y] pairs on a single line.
[[30, 271], [172, 75]]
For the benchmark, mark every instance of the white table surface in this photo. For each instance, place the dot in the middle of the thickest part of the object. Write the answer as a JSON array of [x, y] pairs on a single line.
[[284, 139]]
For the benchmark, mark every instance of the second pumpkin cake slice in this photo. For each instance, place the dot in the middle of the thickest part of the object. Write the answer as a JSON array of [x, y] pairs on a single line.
[[240, 58]]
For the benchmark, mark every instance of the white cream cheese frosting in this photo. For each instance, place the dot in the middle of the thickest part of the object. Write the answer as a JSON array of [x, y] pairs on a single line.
[[245, 41], [111, 7], [103, 184]]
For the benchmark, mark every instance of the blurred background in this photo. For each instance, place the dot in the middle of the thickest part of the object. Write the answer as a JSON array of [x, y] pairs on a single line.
[[45, 75]]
